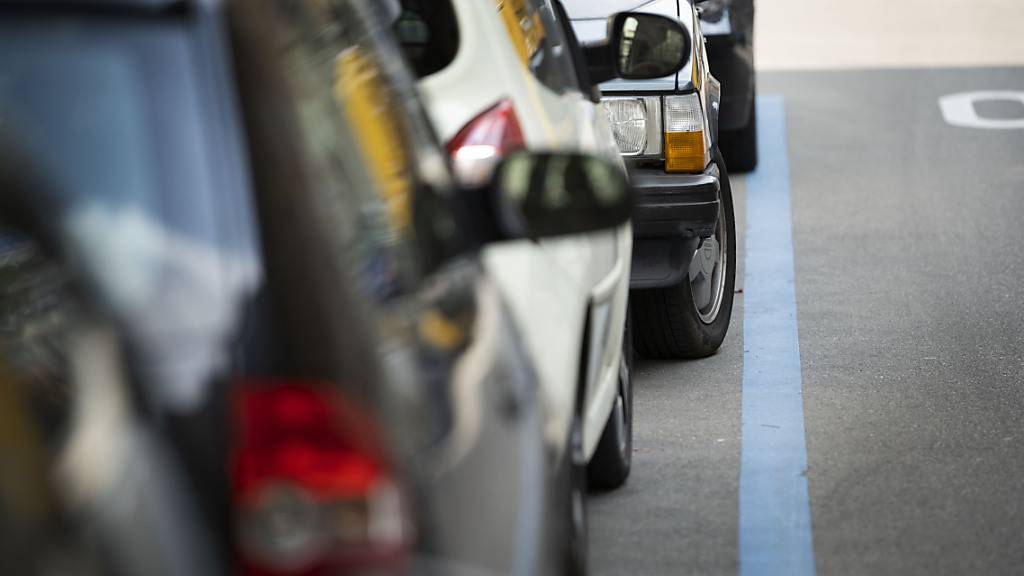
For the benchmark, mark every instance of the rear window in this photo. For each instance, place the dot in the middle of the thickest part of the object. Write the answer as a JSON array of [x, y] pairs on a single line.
[[111, 113], [428, 33]]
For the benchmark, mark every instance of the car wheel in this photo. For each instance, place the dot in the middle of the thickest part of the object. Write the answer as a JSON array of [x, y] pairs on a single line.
[[610, 465], [739, 147], [574, 543], [690, 320]]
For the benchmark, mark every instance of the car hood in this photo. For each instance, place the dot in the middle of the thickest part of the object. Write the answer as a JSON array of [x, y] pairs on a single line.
[[590, 22], [590, 9]]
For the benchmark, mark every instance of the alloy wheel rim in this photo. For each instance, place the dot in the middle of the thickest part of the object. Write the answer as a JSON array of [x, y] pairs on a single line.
[[707, 272]]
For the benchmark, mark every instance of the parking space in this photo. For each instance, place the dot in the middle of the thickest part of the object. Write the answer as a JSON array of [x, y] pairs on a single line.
[[906, 241]]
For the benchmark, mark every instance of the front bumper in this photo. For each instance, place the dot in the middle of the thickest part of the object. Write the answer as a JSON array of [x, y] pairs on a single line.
[[673, 212]]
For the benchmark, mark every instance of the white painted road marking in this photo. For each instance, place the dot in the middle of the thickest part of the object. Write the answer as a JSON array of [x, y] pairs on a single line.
[[962, 110]]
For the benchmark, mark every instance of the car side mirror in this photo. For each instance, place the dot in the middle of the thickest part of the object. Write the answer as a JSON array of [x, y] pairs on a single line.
[[640, 47], [544, 195]]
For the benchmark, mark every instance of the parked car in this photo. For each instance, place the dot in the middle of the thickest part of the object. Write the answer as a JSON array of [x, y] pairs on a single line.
[[251, 193], [684, 247], [503, 76], [728, 27]]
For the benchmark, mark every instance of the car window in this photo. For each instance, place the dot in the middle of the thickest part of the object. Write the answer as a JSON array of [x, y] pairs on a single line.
[[428, 32], [540, 41]]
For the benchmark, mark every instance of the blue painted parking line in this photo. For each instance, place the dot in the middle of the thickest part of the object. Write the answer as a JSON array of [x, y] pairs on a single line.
[[775, 515]]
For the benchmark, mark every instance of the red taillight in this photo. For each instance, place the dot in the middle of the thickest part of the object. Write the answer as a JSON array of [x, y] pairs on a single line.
[[484, 140], [311, 490]]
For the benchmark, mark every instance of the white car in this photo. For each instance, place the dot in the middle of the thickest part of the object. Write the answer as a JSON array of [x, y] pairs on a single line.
[[507, 74]]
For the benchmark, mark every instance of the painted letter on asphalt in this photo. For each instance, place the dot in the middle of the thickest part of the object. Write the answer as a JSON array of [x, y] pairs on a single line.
[[961, 110]]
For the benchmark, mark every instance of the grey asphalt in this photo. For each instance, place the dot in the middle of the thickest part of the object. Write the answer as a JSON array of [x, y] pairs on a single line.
[[909, 254]]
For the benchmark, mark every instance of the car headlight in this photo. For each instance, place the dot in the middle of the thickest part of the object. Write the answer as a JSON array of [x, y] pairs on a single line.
[[635, 123], [685, 147], [628, 120]]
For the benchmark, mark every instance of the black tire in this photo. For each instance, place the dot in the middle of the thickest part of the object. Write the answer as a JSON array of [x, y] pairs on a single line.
[[739, 147], [610, 465], [666, 322], [574, 541]]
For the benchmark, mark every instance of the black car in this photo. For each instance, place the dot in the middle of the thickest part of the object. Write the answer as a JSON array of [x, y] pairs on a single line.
[[241, 289], [728, 27]]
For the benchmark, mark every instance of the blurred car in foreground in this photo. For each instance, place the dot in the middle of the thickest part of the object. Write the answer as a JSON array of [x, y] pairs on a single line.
[[684, 247], [508, 75], [251, 195]]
